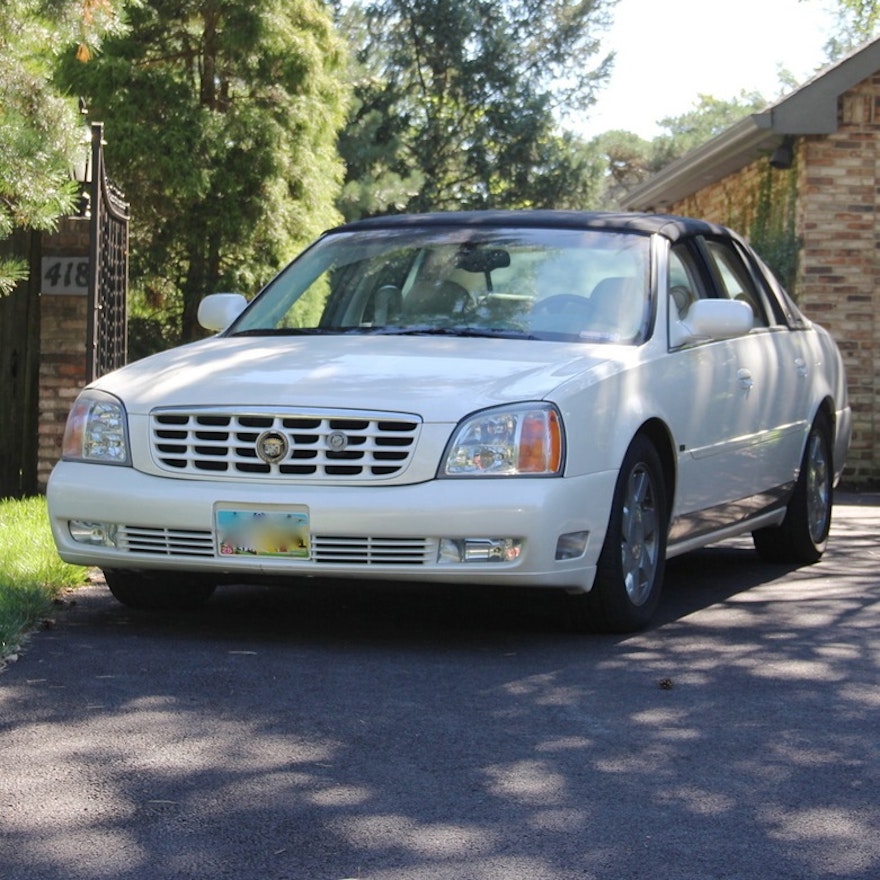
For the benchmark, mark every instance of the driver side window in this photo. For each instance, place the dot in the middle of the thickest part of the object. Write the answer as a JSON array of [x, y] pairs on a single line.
[[734, 279], [683, 288]]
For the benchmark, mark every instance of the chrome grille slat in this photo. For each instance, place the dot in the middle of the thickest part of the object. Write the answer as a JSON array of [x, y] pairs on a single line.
[[325, 549], [222, 443], [165, 542], [372, 551]]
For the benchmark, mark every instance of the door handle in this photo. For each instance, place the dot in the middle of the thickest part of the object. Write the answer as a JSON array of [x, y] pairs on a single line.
[[744, 377]]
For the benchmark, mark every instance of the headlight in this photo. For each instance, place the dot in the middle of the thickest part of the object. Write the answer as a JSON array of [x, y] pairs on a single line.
[[523, 440], [97, 430]]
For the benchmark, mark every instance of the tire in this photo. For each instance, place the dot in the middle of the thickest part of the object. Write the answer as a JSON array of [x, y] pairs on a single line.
[[158, 591], [803, 534], [629, 574]]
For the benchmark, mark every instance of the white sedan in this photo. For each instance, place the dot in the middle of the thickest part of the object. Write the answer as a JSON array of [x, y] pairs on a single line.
[[544, 399]]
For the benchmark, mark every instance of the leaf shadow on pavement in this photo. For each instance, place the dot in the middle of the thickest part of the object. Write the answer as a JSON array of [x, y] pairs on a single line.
[[402, 734]]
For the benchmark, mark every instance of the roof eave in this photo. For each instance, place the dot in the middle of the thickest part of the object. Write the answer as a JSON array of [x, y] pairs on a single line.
[[733, 149], [810, 110]]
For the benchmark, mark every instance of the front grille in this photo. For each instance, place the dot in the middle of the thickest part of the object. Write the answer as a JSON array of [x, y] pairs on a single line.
[[373, 551], [165, 542], [327, 446], [326, 549]]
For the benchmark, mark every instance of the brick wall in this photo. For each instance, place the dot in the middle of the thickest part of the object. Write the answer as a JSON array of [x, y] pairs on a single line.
[[838, 184], [63, 362], [840, 266]]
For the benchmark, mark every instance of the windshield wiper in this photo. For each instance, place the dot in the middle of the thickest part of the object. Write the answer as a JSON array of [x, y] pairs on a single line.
[[480, 332], [299, 331], [416, 330]]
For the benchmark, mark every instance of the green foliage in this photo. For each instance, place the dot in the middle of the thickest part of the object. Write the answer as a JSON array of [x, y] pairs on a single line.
[[857, 22], [152, 329], [707, 118], [630, 159], [221, 123], [40, 130], [626, 158], [457, 104], [773, 230], [31, 572], [11, 273]]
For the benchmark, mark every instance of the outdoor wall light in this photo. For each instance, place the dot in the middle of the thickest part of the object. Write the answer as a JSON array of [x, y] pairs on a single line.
[[783, 155]]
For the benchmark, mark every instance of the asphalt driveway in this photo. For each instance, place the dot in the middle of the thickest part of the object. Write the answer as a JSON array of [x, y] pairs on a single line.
[[337, 732]]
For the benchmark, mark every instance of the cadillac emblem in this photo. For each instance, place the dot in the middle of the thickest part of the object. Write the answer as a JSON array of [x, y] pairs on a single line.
[[337, 441], [272, 446]]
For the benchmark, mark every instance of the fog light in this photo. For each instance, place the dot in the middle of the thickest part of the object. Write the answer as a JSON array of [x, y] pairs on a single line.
[[571, 545], [96, 533], [479, 550], [450, 550]]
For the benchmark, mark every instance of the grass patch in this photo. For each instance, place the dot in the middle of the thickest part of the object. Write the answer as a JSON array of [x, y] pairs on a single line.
[[32, 573]]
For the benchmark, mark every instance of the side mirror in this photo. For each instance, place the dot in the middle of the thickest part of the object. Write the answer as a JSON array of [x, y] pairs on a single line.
[[219, 310], [708, 319]]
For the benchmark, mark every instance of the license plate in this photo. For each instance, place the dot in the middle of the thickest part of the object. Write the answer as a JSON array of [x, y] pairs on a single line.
[[263, 533]]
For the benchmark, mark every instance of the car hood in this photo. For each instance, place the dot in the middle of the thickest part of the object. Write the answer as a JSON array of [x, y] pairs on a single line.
[[440, 379]]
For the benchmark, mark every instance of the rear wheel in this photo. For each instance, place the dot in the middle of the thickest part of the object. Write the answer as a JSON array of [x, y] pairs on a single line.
[[158, 591], [803, 534], [629, 573]]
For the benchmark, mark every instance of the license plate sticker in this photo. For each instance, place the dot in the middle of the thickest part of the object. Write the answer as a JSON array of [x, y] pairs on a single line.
[[263, 533]]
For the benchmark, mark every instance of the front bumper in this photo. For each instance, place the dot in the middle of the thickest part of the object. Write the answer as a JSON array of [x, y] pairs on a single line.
[[178, 518]]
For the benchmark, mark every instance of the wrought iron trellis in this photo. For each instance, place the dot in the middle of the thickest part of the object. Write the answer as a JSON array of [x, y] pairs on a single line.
[[108, 268]]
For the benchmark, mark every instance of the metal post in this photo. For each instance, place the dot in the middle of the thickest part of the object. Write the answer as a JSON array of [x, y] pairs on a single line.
[[95, 226]]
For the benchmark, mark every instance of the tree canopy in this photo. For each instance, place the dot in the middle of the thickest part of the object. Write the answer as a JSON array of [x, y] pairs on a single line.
[[630, 159], [40, 130], [222, 122], [857, 22], [457, 103]]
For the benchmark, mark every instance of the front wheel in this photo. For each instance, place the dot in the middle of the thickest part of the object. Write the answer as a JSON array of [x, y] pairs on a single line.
[[629, 573], [158, 591], [803, 534]]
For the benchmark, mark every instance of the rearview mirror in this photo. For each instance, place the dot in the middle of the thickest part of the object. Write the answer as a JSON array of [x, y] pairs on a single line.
[[480, 259]]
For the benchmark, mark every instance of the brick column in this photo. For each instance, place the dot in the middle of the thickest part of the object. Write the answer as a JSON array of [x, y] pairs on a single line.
[[63, 351]]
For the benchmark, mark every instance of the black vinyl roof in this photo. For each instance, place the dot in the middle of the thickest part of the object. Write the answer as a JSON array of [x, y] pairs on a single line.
[[670, 226]]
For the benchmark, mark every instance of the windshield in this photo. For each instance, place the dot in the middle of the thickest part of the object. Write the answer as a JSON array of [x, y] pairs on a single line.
[[540, 283]]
